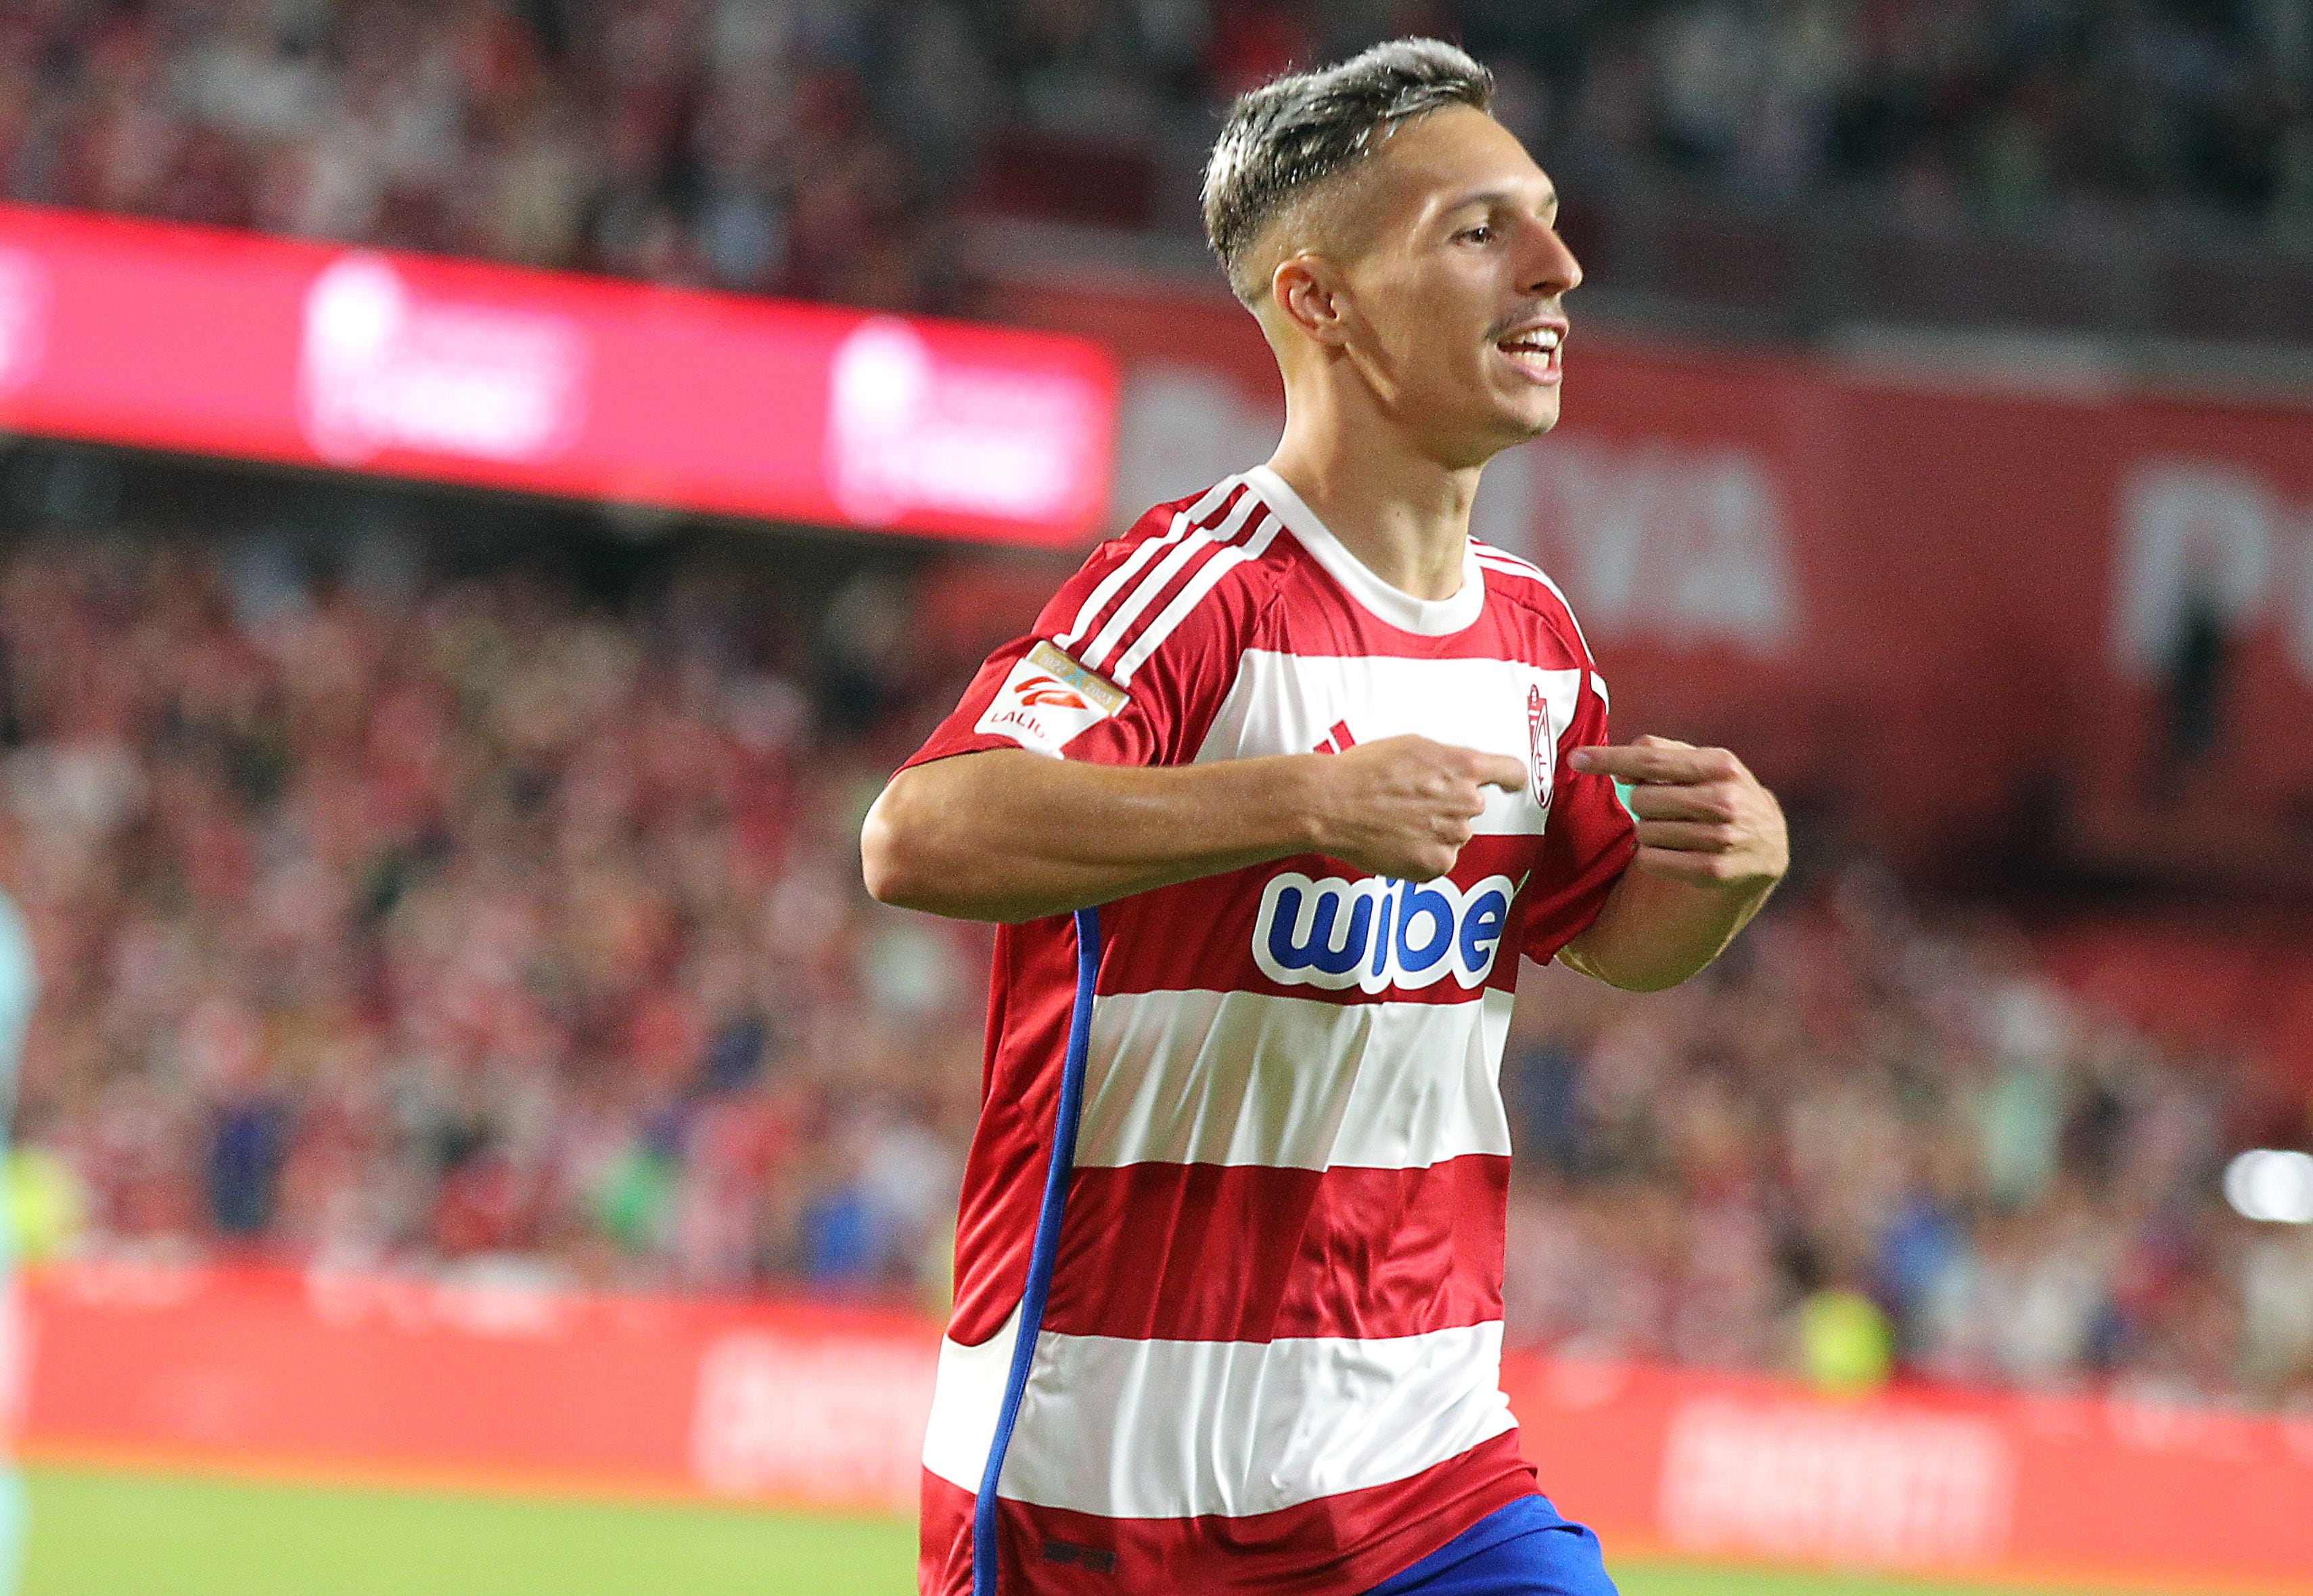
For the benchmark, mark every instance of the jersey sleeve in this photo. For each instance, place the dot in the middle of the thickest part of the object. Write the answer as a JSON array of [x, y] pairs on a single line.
[[1037, 692], [1590, 838]]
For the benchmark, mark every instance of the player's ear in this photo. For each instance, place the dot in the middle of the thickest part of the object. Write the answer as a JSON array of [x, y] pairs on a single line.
[[1307, 291]]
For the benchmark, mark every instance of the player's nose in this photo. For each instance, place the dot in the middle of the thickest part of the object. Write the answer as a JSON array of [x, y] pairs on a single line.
[[1549, 268]]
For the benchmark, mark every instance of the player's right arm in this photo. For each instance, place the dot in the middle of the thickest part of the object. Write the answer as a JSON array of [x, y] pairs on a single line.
[[1068, 775], [1007, 834]]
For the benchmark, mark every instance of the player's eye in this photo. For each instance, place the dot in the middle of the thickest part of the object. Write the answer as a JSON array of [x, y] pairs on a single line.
[[1484, 233]]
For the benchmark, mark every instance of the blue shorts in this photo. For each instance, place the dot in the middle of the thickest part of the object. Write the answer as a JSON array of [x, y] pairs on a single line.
[[1524, 1549]]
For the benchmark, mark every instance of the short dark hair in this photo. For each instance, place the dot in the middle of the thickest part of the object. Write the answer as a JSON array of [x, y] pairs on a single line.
[[1287, 137]]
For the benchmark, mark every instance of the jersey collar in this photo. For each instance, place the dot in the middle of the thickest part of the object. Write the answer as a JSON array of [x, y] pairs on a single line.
[[1428, 617]]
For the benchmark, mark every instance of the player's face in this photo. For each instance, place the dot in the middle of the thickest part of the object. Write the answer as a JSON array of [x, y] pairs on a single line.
[[1457, 294]]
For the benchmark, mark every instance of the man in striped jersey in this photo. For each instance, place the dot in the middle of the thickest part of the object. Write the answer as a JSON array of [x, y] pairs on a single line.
[[1270, 804]]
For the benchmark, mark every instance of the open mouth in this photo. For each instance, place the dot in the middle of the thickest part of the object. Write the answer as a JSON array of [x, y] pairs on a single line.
[[1535, 351]]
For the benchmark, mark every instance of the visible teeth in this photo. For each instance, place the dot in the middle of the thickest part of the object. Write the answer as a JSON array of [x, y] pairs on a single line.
[[1544, 340]]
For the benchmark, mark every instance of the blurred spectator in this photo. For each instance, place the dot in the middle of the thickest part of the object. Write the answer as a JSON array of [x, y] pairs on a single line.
[[1846, 1342], [46, 1207]]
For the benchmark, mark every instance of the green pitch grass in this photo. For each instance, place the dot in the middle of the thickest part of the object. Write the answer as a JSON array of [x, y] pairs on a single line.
[[99, 1534], [104, 1533]]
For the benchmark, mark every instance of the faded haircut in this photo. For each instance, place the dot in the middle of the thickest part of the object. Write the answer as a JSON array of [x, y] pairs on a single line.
[[1288, 137]]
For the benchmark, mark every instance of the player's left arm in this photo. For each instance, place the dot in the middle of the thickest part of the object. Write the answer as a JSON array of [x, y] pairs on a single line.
[[1712, 844]]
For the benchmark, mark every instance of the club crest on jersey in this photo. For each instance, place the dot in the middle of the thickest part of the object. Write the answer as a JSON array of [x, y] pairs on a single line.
[[1048, 701], [1542, 745], [1374, 933]]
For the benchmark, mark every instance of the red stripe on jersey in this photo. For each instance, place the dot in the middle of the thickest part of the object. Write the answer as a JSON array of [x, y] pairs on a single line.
[[1198, 935], [1081, 635], [1032, 989], [1188, 577], [1211, 1252], [1337, 1546], [1202, 550]]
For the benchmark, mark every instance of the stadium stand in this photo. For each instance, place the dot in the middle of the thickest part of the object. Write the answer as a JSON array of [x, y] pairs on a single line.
[[1800, 163], [406, 907]]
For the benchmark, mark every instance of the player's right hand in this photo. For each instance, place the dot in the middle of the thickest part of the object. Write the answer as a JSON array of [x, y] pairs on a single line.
[[1404, 806]]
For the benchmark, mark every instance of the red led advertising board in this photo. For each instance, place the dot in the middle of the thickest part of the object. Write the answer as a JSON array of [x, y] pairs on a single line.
[[211, 342], [500, 1384]]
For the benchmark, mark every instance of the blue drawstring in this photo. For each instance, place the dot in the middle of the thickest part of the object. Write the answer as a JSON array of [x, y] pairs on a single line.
[[1041, 1253]]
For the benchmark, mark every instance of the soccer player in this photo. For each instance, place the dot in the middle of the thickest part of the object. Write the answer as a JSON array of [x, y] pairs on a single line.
[[20, 986], [1270, 805]]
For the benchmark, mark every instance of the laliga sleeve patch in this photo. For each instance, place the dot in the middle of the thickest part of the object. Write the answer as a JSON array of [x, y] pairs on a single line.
[[1048, 701]]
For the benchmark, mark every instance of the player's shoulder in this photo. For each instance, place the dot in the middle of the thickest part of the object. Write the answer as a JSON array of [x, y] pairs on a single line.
[[1524, 584], [1232, 514], [1195, 571]]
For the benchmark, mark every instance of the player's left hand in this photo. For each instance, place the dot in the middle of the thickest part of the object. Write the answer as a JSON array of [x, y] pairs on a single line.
[[1703, 818]]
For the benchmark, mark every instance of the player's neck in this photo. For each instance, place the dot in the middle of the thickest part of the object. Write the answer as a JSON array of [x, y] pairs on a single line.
[[1405, 517]]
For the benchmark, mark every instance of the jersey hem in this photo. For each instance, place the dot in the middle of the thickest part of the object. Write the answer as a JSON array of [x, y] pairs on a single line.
[[1055, 1552]]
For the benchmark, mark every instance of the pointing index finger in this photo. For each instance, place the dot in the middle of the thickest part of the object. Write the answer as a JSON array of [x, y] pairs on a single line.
[[1497, 769], [1487, 769], [1673, 762], [1504, 773]]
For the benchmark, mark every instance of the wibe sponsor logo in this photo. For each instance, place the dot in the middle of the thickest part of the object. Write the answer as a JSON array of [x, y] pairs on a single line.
[[1375, 934]]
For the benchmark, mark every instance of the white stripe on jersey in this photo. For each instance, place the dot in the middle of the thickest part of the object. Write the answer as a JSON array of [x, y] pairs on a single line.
[[1496, 560], [1286, 703], [1182, 1429], [1506, 559], [1211, 500], [1247, 1078], [1161, 577], [967, 1396], [1193, 591], [1126, 569]]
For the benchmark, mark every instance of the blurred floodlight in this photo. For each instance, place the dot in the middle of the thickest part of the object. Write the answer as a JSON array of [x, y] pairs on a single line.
[[2271, 1184]]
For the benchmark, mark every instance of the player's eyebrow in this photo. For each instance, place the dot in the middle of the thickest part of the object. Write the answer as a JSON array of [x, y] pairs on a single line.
[[1494, 196]]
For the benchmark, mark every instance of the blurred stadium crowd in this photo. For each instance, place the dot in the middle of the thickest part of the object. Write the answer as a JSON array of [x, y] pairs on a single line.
[[464, 919], [824, 149], [510, 920]]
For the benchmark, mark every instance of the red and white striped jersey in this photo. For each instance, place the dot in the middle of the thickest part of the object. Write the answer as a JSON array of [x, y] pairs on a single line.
[[1268, 1358]]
